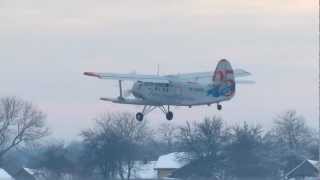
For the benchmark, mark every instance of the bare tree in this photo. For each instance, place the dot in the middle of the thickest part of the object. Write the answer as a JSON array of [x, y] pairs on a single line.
[[205, 142], [290, 138], [114, 144], [246, 153], [168, 134], [20, 123], [291, 130]]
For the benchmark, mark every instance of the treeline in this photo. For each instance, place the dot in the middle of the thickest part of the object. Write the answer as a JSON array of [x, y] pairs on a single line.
[[111, 149]]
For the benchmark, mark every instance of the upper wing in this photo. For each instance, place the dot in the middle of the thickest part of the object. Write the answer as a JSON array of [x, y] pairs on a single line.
[[129, 77], [207, 76], [193, 77]]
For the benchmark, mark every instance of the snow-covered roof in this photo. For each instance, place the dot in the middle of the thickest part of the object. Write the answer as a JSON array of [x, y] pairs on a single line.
[[314, 163], [174, 160], [30, 171], [4, 175]]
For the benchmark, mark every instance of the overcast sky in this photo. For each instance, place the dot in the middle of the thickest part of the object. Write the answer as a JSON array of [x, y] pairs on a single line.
[[46, 45]]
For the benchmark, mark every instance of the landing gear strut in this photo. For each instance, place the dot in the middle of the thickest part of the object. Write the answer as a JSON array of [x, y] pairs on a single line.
[[148, 109], [167, 112]]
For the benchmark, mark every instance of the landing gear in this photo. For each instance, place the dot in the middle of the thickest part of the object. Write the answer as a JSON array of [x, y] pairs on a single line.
[[167, 112], [139, 116], [148, 109], [219, 107], [169, 116]]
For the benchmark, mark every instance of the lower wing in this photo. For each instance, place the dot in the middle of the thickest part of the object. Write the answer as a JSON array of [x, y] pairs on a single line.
[[129, 101], [129, 77]]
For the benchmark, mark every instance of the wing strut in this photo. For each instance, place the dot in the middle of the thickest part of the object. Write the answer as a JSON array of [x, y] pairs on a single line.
[[120, 89]]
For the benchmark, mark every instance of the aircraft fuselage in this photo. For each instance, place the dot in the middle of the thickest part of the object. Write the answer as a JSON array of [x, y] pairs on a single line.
[[182, 93]]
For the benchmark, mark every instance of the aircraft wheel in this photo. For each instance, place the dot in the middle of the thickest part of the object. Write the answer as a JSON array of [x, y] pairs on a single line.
[[139, 116], [169, 116], [219, 107]]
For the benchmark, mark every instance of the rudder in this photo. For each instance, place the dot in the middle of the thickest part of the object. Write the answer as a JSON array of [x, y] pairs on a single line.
[[224, 78]]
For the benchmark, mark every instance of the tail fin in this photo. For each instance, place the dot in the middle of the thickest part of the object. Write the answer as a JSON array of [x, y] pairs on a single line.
[[224, 77]]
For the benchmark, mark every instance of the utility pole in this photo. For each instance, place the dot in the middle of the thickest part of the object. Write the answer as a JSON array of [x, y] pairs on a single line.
[[319, 76]]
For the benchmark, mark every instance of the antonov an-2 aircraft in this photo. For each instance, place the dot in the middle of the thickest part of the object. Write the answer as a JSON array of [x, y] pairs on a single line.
[[192, 89]]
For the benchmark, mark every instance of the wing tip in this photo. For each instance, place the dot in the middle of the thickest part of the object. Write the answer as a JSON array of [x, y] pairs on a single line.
[[92, 74], [103, 99], [247, 72]]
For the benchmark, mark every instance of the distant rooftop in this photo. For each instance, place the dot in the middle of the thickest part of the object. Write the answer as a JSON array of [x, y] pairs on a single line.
[[308, 168], [314, 163], [4, 175]]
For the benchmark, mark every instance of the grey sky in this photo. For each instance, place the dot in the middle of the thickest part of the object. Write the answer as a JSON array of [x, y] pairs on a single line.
[[46, 45]]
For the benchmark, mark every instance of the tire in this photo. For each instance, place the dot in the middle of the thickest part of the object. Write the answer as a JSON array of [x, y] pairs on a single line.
[[219, 107], [139, 117], [169, 116]]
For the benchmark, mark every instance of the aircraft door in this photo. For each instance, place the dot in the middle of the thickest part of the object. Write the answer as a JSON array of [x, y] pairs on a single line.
[[178, 91]]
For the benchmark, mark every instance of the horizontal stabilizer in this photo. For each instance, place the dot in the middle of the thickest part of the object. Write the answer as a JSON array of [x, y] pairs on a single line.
[[241, 73], [205, 76], [245, 81]]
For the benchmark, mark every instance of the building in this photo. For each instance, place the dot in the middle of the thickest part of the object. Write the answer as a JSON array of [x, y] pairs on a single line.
[[23, 174], [192, 170], [169, 163], [35, 174], [307, 170], [18, 173], [5, 176]]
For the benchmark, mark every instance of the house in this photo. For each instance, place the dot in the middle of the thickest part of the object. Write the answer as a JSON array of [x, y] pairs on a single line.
[[14, 167], [36, 174], [4, 175], [18, 173], [169, 163], [23, 174], [307, 170]]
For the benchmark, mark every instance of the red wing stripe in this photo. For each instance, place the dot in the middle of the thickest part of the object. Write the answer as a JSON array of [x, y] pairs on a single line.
[[92, 74]]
